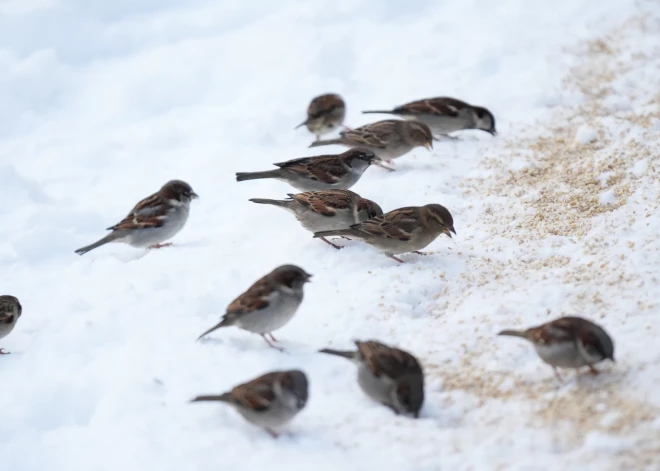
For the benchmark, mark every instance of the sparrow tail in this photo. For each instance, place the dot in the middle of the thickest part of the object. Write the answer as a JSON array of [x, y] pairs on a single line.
[[226, 397], [109, 238], [223, 323], [325, 142], [242, 176], [514, 333], [336, 232], [267, 201], [340, 353], [379, 112], [301, 124]]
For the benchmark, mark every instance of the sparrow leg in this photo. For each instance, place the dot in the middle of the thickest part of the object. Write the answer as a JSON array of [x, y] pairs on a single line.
[[338, 247], [270, 343], [391, 407], [377, 163], [160, 246], [2, 352], [272, 433], [347, 238], [554, 368], [395, 258], [272, 337], [420, 253]]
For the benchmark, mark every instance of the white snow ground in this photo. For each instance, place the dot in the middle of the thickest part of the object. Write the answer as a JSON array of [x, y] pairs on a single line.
[[102, 102]]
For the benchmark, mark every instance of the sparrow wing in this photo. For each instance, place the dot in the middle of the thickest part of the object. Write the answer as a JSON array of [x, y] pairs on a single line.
[[387, 361], [325, 168], [257, 297], [148, 213], [399, 224], [257, 394], [323, 105], [376, 135], [328, 202]]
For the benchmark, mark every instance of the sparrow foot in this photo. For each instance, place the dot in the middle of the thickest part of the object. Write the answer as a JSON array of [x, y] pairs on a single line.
[[160, 246], [2, 352], [338, 247], [271, 344], [272, 433], [396, 258]]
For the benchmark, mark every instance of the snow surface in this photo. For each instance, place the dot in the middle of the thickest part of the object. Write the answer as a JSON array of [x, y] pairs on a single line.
[[103, 101]]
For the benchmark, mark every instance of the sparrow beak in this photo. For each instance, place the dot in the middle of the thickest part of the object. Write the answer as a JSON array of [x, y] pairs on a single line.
[[449, 230], [307, 278], [193, 195], [429, 146], [493, 132]]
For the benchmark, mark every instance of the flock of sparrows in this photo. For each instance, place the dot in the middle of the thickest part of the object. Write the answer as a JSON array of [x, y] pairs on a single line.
[[326, 207]]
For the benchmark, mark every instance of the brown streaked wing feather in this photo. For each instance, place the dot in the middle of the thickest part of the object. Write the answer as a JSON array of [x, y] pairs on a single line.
[[256, 394], [148, 213], [322, 106], [398, 224], [326, 202], [327, 170], [6, 317], [253, 299], [389, 361], [443, 106], [372, 135]]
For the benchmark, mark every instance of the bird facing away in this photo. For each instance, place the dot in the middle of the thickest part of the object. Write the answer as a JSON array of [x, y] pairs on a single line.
[[388, 139], [568, 342], [10, 311], [388, 375], [268, 304], [269, 401], [323, 172], [153, 220], [327, 209], [403, 230], [324, 114], [444, 115]]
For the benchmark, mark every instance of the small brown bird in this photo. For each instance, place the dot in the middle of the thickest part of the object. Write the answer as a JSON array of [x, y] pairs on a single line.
[[403, 230], [268, 304], [388, 139], [444, 115], [10, 311], [324, 114], [269, 401], [327, 209], [323, 172], [388, 375], [568, 342]]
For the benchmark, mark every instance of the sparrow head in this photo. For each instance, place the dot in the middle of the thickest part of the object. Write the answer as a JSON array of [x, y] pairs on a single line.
[[420, 134], [358, 157], [177, 192], [484, 120], [409, 394], [439, 217], [290, 276], [369, 208], [10, 304], [295, 381]]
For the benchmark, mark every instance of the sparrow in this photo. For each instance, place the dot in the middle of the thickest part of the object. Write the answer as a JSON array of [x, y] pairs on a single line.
[[444, 115], [387, 139], [155, 219], [323, 172], [268, 401], [325, 113], [568, 342], [268, 304], [327, 209], [388, 375], [10, 311], [403, 230]]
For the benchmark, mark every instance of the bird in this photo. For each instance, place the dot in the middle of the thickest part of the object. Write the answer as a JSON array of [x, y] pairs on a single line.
[[388, 139], [268, 304], [153, 220], [10, 311], [323, 172], [402, 230], [326, 209], [568, 342], [269, 401], [388, 375], [444, 115], [324, 114]]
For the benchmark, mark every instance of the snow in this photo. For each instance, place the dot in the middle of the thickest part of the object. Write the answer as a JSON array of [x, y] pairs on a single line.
[[102, 102], [585, 135]]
